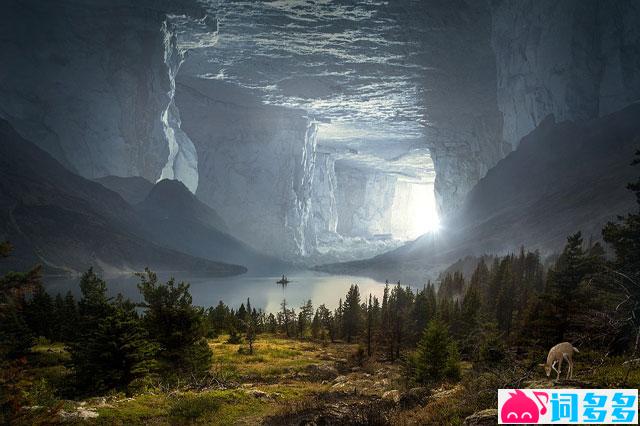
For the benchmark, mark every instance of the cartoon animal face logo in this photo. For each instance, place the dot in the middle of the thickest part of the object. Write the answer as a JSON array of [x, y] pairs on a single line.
[[519, 408]]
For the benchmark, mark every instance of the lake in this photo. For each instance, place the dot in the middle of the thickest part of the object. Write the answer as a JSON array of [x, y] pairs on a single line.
[[262, 290]]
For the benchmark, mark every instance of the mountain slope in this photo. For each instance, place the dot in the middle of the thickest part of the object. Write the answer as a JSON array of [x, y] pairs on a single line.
[[69, 223], [177, 219], [133, 189], [564, 177]]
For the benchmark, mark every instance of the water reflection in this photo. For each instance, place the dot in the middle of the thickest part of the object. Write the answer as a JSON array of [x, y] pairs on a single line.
[[264, 291]]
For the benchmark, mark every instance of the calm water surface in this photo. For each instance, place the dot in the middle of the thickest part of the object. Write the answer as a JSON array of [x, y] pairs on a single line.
[[263, 291]]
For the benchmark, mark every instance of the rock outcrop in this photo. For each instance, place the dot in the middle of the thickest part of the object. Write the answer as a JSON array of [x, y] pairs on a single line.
[[488, 417]]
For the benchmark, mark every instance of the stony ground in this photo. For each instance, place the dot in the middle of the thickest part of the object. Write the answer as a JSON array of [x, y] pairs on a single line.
[[283, 382], [293, 382]]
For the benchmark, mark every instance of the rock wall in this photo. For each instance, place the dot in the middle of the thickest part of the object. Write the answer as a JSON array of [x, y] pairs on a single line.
[[495, 69], [324, 205], [89, 82], [255, 163], [462, 122], [575, 59], [364, 199]]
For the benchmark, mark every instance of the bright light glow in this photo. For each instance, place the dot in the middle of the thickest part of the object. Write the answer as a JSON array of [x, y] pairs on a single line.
[[415, 211], [423, 214]]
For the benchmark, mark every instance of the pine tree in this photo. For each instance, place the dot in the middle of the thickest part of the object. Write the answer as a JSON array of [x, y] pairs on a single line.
[[469, 318], [94, 304], [175, 324], [304, 319], [436, 358], [352, 316], [385, 333], [115, 353], [400, 307], [370, 325], [241, 317], [285, 315], [251, 330], [564, 292], [15, 341], [327, 321], [624, 272], [70, 318], [39, 312], [422, 311], [316, 325], [15, 335], [338, 319], [219, 319]]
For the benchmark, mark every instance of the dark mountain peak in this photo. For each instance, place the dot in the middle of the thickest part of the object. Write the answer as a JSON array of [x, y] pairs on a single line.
[[133, 189], [178, 219], [171, 198], [68, 223], [171, 190]]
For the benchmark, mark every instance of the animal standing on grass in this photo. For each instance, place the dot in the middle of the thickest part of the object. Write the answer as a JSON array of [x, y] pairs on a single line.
[[558, 353]]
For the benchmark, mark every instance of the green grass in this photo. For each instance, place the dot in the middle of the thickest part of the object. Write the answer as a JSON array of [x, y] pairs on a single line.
[[218, 407], [134, 411], [613, 373], [273, 357]]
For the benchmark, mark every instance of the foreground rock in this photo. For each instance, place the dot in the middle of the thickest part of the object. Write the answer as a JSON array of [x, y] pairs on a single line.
[[335, 409], [392, 395], [486, 417], [322, 372]]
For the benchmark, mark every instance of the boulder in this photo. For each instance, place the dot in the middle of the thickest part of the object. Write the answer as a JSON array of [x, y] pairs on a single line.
[[257, 393], [322, 371], [414, 396], [482, 418], [392, 395]]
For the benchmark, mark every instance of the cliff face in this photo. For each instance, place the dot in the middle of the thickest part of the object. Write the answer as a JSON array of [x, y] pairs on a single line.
[[255, 164], [365, 199], [495, 69], [575, 59], [91, 81], [462, 121], [324, 203]]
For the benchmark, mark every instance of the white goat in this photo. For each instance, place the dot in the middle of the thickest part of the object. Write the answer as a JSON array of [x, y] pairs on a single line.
[[558, 353]]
